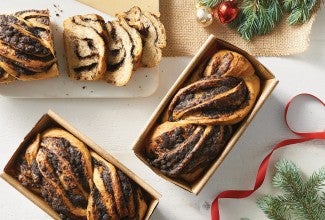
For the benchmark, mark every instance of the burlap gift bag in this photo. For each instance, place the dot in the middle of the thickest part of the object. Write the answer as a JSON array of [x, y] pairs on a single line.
[[185, 35]]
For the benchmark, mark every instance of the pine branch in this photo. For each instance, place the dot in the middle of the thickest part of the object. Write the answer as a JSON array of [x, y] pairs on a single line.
[[316, 181], [288, 178], [301, 199], [210, 3], [258, 17], [313, 185], [274, 207], [299, 11], [322, 198]]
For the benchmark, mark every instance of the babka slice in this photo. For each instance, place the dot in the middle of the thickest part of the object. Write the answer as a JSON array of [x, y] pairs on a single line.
[[161, 41], [85, 37], [26, 46], [120, 62], [136, 42], [152, 33]]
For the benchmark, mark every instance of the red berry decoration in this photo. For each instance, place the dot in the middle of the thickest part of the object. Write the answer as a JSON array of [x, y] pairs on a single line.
[[227, 11]]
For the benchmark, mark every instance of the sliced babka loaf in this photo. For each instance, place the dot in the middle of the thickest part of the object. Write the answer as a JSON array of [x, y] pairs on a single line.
[[152, 33], [85, 37]]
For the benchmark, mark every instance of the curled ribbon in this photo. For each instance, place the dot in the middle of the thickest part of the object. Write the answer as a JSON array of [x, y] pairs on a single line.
[[304, 136]]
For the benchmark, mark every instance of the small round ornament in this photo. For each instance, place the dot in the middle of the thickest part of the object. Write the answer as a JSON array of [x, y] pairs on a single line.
[[204, 16], [226, 11]]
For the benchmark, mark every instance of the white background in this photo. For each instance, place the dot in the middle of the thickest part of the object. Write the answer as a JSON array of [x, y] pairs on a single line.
[[115, 123]]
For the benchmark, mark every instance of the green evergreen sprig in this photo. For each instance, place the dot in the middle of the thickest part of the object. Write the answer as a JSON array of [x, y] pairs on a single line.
[[301, 199], [299, 11], [260, 17], [210, 3]]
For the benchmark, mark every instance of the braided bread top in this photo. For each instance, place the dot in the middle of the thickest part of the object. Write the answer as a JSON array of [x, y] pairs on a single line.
[[225, 95], [26, 46], [198, 121], [76, 182]]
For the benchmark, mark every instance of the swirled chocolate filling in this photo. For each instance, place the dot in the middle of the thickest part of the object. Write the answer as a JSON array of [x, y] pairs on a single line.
[[186, 148], [223, 64], [2, 72], [18, 40], [209, 97], [174, 147], [72, 155]]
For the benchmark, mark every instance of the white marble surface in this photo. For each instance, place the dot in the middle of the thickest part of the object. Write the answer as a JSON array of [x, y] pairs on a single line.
[[115, 124]]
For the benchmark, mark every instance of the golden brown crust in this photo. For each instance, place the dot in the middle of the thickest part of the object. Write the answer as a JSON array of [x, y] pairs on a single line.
[[180, 148], [114, 196], [196, 125], [29, 174], [65, 165], [225, 95], [141, 204], [32, 150], [26, 46], [191, 177], [239, 67], [75, 143], [61, 190], [77, 183], [5, 77], [229, 63]]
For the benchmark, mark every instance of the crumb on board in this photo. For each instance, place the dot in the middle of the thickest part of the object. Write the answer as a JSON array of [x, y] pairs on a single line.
[[58, 10], [84, 87]]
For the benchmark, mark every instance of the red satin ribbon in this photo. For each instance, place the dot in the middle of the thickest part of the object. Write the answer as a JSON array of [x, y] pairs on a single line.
[[236, 194]]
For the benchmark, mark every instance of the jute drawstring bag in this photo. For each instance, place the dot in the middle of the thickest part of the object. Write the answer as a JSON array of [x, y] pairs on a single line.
[[185, 35]]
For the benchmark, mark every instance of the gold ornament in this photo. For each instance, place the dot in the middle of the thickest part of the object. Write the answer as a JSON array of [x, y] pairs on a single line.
[[204, 15]]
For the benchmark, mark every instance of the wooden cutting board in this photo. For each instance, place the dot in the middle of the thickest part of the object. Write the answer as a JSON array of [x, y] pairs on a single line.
[[111, 7]]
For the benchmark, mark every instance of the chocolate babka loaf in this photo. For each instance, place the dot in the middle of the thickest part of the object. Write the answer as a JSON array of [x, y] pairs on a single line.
[[78, 183], [198, 122], [85, 40], [26, 46], [152, 32]]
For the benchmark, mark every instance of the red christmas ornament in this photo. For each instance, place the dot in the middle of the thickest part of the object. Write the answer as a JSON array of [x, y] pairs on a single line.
[[226, 11]]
